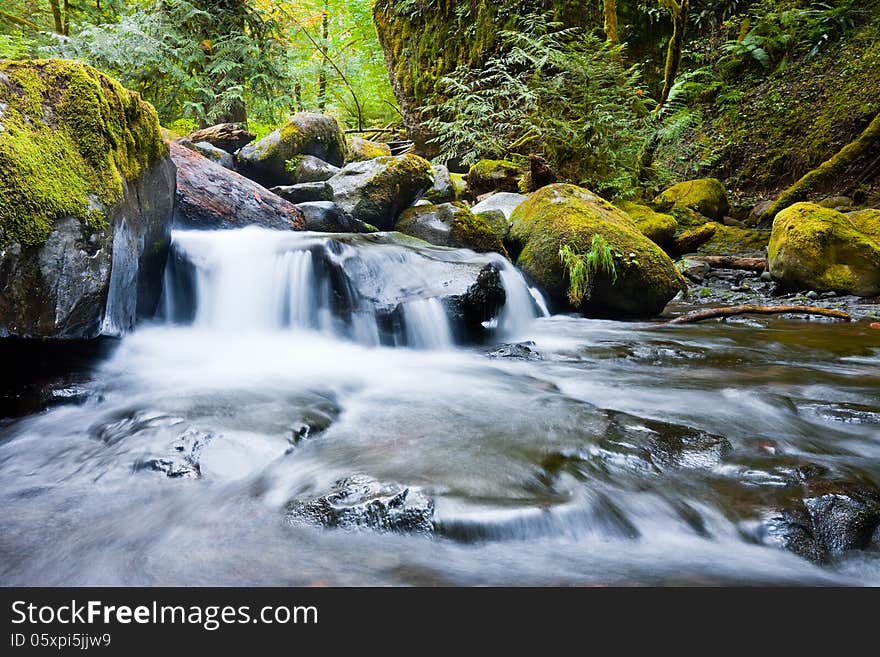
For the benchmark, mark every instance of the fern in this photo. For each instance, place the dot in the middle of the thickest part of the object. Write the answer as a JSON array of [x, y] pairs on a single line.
[[582, 269]]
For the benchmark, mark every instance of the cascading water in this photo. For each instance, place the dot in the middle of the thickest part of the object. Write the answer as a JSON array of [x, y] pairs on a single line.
[[371, 289]]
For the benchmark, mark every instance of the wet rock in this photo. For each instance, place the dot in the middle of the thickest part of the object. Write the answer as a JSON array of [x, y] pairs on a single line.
[[362, 502], [520, 350], [267, 161], [305, 192], [481, 302], [209, 196], [226, 136], [506, 202], [449, 225], [830, 518], [327, 217], [183, 460]]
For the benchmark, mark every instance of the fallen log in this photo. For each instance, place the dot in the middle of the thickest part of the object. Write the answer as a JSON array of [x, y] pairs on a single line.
[[731, 311], [756, 265]]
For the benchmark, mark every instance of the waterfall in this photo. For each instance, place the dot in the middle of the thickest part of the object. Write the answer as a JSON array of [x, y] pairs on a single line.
[[376, 289]]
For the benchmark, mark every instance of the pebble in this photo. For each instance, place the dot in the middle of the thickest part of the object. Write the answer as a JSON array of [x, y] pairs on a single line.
[[766, 277], [812, 295]]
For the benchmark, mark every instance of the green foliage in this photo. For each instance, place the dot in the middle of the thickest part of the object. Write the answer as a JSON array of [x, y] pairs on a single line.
[[553, 91], [582, 268], [14, 45]]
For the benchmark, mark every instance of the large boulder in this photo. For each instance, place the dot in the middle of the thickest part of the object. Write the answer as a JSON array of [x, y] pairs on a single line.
[[643, 279], [816, 248], [86, 195], [209, 196], [211, 152], [705, 195], [327, 217], [449, 225], [225, 136], [265, 161], [377, 191], [305, 192]]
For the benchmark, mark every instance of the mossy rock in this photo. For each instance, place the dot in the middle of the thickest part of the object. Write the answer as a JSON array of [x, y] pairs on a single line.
[[459, 185], [816, 248], [266, 160], [705, 195], [443, 190], [658, 227], [360, 149], [493, 176], [377, 191], [86, 194], [70, 136], [732, 240], [450, 225], [497, 221], [645, 277]]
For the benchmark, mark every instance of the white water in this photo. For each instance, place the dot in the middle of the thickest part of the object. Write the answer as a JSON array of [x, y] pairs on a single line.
[[372, 290]]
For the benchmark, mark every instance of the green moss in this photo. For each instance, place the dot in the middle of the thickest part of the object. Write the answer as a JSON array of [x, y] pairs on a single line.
[[821, 249], [69, 138], [473, 232], [493, 176], [731, 240], [658, 227], [363, 149], [705, 195], [557, 215], [459, 184]]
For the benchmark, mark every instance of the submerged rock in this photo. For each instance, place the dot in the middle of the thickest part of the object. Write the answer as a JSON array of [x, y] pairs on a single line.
[[86, 194], [377, 191], [643, 278], [209, 196], [449, 225], [705, 195], [816, 248], [182, 462], [362, 502], [832, 517], [266, 160], [521, 350], [226, 136]]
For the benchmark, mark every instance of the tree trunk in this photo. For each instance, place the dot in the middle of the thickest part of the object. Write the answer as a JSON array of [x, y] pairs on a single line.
[[679, 11], [56, 15], [66, 22], [322, 72], [610, 7]]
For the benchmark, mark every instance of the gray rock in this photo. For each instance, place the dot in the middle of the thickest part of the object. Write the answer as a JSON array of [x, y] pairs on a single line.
[[304, 192], [266, 160], [227, 136], [218, 155], [449, 225], [303, 169], [442, 190], [504, 201], [81, 282], [520, 350], [360, 149], [362, 502], [377, 191], [327, 217]]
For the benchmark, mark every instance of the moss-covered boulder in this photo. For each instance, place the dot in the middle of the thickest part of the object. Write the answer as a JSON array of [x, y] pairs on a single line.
[[658, 227], [488, 176], [377, 191], [360, 149], [449, 225], [816, 248], [305, 133], [706, 196], [443, 190], [644, 279], [86, 196]]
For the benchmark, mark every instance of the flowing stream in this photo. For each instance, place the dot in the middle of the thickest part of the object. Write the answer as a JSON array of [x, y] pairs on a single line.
[[625, 454]]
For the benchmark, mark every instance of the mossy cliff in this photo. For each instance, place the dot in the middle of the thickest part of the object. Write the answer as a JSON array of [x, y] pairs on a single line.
[[424, 40], [69, 137]]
